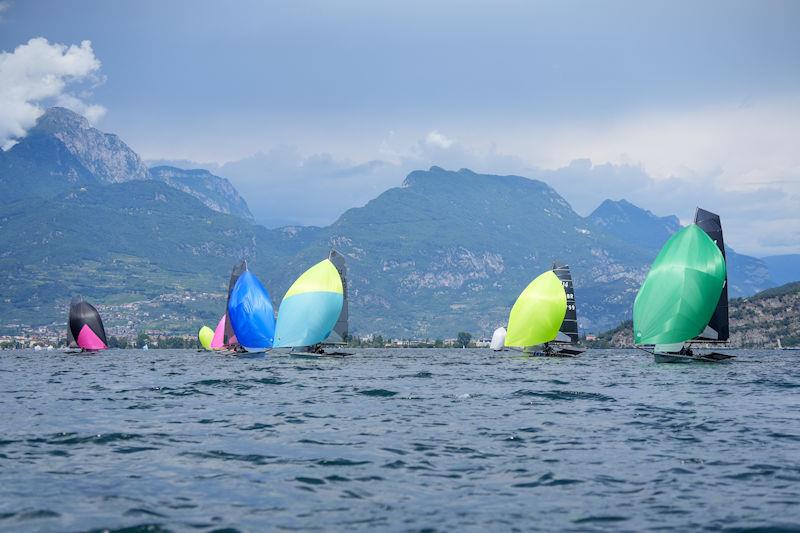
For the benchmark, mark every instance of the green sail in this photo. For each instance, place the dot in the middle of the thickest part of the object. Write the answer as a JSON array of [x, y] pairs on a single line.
[[538, 312], [681, 290]]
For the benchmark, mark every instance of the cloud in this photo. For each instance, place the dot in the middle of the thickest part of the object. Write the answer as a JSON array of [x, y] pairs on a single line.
[[434, 138], [750, 177], [284, 187], [5, 5], [37, 73]]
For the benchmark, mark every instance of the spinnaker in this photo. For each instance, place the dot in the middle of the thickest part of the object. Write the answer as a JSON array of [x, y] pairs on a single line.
[[86, 326]]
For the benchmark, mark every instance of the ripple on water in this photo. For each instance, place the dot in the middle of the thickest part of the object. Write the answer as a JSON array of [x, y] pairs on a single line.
[[397, 440]]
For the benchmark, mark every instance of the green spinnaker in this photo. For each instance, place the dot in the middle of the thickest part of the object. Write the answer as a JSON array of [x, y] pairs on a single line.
[[538, 312], [205, 335], [681, 291]]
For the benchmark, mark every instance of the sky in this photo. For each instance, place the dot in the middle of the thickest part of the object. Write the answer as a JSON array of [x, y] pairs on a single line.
[[311, 108]]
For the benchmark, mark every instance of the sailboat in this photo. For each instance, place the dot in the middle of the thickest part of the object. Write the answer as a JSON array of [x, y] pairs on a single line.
[[86, 327], [498, 341], [545, 314], [684, 298], [250, 313], [314, 310], [205, 336]]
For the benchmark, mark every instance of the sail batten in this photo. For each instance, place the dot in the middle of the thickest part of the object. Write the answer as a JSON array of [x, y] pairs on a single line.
[[569, 326], [340, 329], [229, 337], [717, 328]]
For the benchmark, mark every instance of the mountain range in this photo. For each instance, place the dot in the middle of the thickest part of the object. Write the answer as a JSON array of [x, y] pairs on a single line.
[[446, 251]]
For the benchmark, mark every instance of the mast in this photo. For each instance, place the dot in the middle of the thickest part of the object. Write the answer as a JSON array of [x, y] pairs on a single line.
[[238, 269], [340, 330], [568, 332], [717, 328]]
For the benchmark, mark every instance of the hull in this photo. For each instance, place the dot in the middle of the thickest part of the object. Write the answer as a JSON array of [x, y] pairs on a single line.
[[560, 351], [711, 357], [323, 354]]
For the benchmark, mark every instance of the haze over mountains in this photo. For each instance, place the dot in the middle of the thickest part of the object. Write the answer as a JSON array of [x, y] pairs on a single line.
[[444, 252]]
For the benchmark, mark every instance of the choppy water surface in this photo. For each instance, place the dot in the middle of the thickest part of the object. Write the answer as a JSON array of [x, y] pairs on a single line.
[[400, 440]]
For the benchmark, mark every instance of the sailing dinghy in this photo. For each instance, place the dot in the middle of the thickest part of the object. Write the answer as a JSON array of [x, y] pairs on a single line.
[[684, 298], [314, 311], [498, 339], [86, 329], [205, 336], [250, 319], [545, 315]]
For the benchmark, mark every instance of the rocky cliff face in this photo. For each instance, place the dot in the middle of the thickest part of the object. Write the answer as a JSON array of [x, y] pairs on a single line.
[[103, 154], [215, 192]]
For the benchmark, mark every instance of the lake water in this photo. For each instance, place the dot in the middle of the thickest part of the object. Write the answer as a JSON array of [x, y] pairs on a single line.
[[399, 440]]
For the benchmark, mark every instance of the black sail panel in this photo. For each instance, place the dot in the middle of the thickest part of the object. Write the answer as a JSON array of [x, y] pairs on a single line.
[[82, 313], [570, 325], [238, 269], [717, 329], [71, 342], [340, 330]]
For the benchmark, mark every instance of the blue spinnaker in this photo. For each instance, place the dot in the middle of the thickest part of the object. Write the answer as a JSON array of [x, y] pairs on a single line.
[[251, 313]]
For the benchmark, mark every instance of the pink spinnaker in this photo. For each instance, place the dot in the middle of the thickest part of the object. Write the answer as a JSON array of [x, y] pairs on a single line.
[[218, 342], [88, 340]]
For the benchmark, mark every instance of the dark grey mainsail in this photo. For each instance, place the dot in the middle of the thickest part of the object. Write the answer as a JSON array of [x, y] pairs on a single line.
[[717, 329], [340, 330], [569, 327], [238, 269]]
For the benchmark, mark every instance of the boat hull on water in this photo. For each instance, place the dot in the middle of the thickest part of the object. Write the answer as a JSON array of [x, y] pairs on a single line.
[[565, 351], [710, 357]]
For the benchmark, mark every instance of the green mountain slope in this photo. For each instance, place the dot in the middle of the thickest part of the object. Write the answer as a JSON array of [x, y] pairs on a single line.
[[445, 252]]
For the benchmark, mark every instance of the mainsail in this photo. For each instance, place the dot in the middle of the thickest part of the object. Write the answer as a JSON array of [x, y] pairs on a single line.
[[717, 328], [339, 333], [681, 291], [538, 312], [568, 332], [229, 338], [86, 326], [311, 307], [250, 313]]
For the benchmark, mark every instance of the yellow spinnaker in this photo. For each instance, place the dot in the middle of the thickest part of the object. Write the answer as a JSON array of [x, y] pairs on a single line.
[[538, 312], [322, 277], [205, 335]]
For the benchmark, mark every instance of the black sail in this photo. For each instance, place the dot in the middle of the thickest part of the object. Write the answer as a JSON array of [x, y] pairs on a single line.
[[82, 313], [340, 330], [238, 269], [569, 327], [717, 329], [71, 342]]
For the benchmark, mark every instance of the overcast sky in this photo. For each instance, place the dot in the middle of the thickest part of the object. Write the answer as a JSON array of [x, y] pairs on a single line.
[[314, 107]]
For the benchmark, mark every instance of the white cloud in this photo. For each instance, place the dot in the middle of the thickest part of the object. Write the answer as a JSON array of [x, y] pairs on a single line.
[[38, 73], [434, 138], [5, 5]]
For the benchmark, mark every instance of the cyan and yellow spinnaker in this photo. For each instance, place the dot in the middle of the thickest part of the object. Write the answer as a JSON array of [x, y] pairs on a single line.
[[310, 308], [538, 312]]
